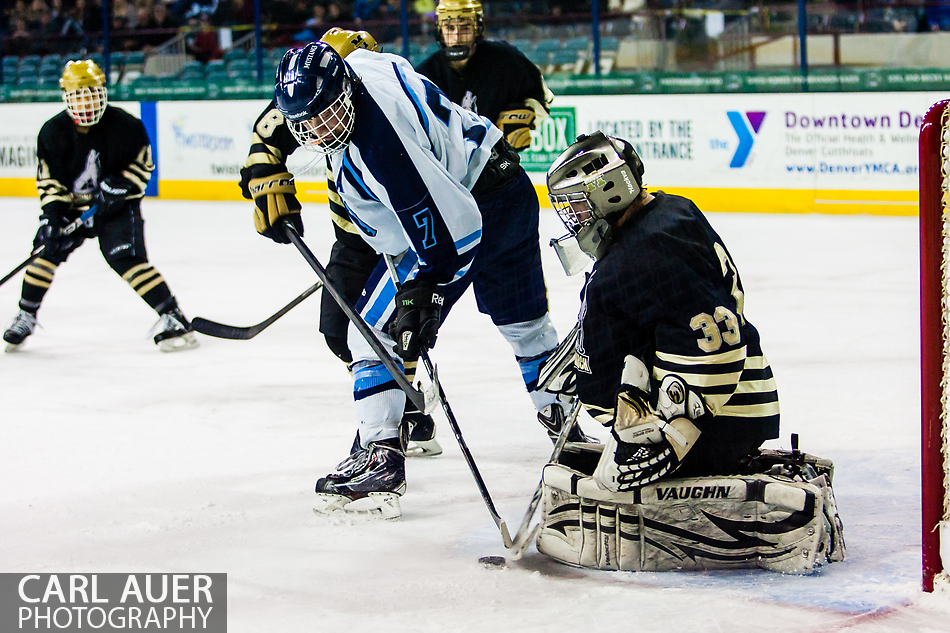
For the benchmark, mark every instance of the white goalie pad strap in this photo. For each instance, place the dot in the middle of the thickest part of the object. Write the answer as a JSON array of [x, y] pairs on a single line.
[[690, 524]]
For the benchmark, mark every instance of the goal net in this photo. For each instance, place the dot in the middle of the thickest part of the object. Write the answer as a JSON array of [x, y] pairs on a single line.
[[935, 343]]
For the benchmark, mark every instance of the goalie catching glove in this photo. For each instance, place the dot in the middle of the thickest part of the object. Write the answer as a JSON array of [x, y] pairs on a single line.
[[275, 200], [418, 314], [516, 124], [647, 444]]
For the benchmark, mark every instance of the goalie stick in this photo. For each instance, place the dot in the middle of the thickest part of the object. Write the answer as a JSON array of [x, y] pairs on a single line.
[[424, 401], [434, 377], [233, 332], [524, 535], [69, 228]]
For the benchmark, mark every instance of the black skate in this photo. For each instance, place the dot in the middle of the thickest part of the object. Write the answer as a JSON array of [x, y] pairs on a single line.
[[422, 442], [417, 430], [369, 481], [552, 424], [176, 333], [23, 325]]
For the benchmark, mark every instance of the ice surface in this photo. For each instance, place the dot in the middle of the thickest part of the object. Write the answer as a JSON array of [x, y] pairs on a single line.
[[118, 458]]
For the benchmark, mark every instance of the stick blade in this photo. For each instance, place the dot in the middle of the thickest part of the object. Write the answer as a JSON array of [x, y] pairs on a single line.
[[220, 330]]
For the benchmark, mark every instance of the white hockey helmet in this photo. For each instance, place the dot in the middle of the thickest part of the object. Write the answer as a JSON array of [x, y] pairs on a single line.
[[84, 91], [590, 185]]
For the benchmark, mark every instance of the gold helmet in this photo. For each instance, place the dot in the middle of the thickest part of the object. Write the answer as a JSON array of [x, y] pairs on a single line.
[[345, 42], [84, 91], [464, 19]]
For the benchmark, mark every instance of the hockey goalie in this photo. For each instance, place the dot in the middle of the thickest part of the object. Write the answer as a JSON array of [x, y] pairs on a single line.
[[667, 360]]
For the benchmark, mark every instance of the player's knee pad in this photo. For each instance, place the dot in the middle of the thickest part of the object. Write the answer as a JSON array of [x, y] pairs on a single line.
[[775, 522]]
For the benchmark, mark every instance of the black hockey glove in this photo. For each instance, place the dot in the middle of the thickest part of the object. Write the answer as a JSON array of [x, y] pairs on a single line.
[[113, 192], [418, 312], [50, 234], [275, 199]]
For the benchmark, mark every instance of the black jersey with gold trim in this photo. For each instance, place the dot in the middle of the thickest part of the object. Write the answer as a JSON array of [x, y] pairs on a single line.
[[496, 76], [71, 163], [669, 293]]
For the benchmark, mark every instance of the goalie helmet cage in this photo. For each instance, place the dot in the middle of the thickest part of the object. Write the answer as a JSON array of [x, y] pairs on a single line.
[[935, 343]]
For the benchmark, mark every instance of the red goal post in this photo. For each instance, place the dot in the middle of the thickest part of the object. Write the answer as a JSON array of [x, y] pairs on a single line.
[[935, 342]]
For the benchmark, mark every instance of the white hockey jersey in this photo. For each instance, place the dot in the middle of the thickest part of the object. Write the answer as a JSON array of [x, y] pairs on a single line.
[[406, 175]]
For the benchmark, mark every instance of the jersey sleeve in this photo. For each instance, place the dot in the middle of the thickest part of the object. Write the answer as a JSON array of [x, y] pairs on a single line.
[[137, 165], [271, 144], [51, 172]]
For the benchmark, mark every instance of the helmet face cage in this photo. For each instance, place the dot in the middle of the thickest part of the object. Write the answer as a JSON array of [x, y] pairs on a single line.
[[84, 92], [329, 131], [463, 17], [314, 92]]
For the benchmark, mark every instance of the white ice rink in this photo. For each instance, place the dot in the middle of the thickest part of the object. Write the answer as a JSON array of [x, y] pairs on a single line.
[[117, 458]]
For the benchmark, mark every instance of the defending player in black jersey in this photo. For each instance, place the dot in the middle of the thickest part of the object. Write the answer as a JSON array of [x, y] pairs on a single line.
[[493, 79], [666, 356], [95, 154]]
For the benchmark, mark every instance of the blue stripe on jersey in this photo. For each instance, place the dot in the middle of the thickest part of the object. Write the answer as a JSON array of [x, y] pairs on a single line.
[[372, 380], [476, 134], [423, 118], [468, 239], [356, 178]]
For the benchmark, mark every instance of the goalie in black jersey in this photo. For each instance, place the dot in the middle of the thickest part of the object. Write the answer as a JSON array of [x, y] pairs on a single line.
[[95, 154], [666, 356], [491, 78]]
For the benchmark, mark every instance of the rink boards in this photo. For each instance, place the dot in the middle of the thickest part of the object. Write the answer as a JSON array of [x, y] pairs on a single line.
[[765, 153]]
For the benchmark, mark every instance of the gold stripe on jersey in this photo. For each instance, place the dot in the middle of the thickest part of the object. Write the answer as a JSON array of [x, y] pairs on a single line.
[[40, 273], [338, 213], [140, 170], [50, 189], [602, 415], [263, 153], [762, 410]]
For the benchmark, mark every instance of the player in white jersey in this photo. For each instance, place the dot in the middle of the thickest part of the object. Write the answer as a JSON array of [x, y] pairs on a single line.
[[435, 187]]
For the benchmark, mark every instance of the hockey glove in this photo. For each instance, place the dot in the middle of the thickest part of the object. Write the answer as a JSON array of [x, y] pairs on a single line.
[[516, 124], [274, 200], [113, 192], [647, 444], [418, 314], [50, 234]]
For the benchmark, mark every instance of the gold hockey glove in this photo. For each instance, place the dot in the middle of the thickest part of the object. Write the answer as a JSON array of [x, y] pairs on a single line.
[[274, 199], [516, 124]]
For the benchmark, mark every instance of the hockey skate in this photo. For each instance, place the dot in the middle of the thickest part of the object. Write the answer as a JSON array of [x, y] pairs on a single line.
[[176, 333], [422, 442], [368, 482], [23, 325], [552, 424]]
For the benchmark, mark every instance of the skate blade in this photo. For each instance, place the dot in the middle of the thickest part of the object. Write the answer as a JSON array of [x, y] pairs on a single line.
[[520, 545], [424, 448], [376, 505], [11, 347], [178, 343]]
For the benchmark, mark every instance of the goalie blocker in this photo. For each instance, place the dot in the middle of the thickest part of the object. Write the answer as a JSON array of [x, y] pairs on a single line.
[[782, 517]]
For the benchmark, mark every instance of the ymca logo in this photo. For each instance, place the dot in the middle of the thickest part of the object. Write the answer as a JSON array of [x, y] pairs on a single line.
[[745, 128]]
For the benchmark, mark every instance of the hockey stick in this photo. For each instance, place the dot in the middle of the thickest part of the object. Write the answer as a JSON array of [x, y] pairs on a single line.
[[233, 332], [424, 401], [434, 377], [525, 535], [69, 228]]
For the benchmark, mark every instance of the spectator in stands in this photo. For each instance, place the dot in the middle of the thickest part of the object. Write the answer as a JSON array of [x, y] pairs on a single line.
[[203, 44], [160, 24], [365, 10], [19, 41], [938, 15]]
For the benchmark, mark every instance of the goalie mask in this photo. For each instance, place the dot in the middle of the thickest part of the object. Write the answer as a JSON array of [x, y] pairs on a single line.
[[84, 91], [315, 94], [460, 28], [591, 184]]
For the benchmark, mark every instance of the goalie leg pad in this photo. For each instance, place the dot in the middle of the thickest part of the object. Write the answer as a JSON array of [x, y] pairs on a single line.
[[698, 523]]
